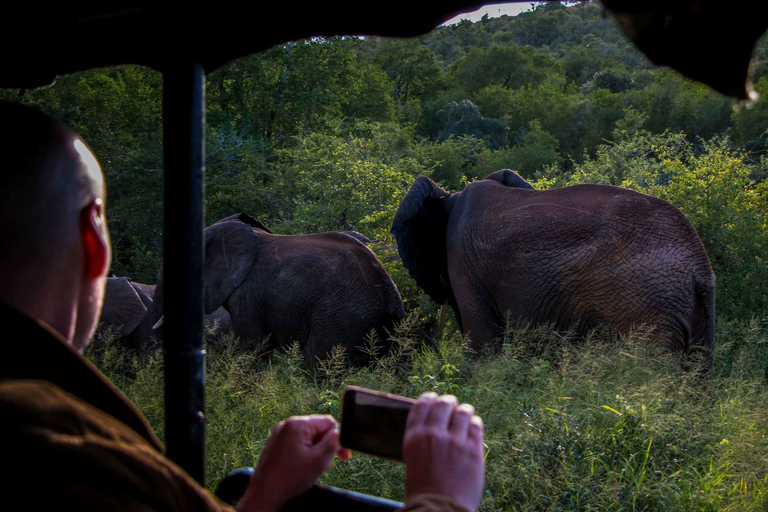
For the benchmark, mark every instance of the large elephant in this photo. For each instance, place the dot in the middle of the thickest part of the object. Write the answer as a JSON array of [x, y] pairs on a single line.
[[320, 289], [584, 255], [129, 308]]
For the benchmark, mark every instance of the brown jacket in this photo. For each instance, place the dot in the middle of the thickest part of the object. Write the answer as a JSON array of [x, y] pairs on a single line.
[[69, 440]]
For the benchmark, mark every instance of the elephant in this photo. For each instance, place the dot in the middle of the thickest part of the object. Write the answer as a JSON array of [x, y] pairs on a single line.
[[361, 237], [319, 290], [583, 255], [125, 308], [129, 308]]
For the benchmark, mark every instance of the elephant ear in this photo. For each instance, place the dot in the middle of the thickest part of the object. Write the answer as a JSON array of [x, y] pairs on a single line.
[[247, 219], [509, 178], [145, 292], [361, 237], [419, 228], [123, 307], [230, 251]]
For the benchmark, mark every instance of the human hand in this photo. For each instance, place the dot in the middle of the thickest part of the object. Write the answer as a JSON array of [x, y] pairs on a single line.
[[443, 450], [297, 452]]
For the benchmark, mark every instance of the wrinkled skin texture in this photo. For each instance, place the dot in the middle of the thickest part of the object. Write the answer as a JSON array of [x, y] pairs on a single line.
[[321, 289], [125, 308], [585, 255], [130, 309]]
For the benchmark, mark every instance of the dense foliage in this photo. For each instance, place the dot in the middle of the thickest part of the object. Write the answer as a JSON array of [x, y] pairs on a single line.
[[602, 425], [328, 134]]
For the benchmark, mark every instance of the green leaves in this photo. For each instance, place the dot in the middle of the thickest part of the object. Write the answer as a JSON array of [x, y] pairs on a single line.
[[510, 67], [339, 183]]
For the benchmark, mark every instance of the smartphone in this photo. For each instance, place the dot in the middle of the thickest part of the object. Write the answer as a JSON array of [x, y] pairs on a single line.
[[373, 422]]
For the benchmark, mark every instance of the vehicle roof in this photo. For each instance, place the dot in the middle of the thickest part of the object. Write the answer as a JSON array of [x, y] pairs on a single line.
[[708, 40]]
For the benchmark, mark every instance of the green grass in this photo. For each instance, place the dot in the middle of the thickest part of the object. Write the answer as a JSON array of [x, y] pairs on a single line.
[[605, 424]]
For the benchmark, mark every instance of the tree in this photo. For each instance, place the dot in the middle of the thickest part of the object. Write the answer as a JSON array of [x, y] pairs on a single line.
[[537, 149], [463, 118], [372, 100], [612, 80], [750, 123], [119, 112], [342, 181], [412, 67], [275, 94], [511, 67]]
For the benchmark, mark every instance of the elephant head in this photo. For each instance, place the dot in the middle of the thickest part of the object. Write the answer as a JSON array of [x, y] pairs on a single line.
[[230, 250], [420, 227], [125, 305]]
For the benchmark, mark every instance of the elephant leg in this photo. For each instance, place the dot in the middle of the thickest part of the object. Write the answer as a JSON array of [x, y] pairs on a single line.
[[247, 324], [329, 331], [481, 322]]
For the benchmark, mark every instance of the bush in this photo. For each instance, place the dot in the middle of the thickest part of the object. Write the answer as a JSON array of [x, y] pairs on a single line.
[[604, 424]]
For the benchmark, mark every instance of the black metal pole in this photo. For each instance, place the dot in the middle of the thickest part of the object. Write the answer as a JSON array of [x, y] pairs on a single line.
[[183, 150]]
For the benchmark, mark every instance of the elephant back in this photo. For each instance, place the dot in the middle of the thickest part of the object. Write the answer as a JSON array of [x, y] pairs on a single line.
[[509, 178], [245, 219], [358, 236]]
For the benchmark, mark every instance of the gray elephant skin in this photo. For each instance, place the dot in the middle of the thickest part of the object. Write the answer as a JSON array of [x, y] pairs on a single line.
[[583, 256], [129, 309], [320, 289]]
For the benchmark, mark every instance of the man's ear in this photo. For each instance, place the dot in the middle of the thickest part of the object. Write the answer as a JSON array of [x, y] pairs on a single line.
[[95, 237]]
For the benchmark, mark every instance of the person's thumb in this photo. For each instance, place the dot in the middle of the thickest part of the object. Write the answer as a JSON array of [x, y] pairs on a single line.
[[328, 445]]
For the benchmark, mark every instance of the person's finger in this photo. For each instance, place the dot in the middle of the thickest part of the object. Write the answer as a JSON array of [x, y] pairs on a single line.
[[328, 446], [460, 420], [317, 425], [440, 411], [475, 431], [419, 410]]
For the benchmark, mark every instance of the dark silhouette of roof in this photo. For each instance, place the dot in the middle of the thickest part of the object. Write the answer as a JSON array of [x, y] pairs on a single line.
[[708, 40]]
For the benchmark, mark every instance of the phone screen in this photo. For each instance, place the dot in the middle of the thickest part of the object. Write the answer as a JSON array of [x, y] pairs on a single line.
[[374, 423]]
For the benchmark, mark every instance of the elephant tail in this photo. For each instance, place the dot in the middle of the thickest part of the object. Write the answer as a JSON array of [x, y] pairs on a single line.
[[702, 323]]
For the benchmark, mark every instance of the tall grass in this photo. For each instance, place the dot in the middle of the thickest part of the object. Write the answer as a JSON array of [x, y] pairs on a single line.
[[601, 424]]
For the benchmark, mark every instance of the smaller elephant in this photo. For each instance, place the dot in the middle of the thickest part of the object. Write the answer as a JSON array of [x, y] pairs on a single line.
[[320, 290], [129, 308], [125, 308]]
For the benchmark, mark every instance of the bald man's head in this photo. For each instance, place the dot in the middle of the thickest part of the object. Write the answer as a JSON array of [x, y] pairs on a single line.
[[47, 174], [55, 246]]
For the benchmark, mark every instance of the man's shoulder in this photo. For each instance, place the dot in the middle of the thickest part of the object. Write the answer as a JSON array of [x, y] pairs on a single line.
[[42, 408], [77, 455]]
